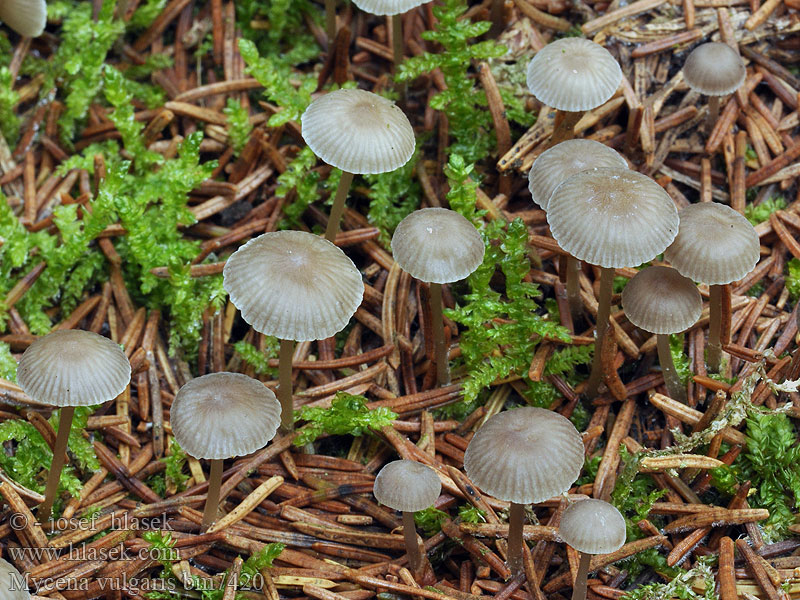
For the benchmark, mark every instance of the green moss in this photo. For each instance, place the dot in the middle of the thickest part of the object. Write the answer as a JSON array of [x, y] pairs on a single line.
[[348, 414]]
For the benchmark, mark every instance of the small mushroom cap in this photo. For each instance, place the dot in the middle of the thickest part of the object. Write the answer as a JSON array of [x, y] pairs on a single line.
[[293, 285], [561, 161], [573, 74], [12, 583], [387, 7], [437, 245], [358, 132], [70, 367], [407, 485], [715, 244], [714, 69], [612, 217], [26, 17], [593, 527], [525, 455], [221, 415], [661, 300]]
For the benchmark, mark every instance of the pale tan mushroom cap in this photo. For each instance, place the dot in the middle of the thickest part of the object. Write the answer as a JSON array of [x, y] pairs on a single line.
[[525, 455], [221, 415], [26, 17], [561, 161], [387, 7], [437, 245], [593, 527], [715, 245], [12, 583], [573, 74], [293, 285], [407, 485], [612, 217], [714, 69], [358, 132], [71, 367], [661, 300]]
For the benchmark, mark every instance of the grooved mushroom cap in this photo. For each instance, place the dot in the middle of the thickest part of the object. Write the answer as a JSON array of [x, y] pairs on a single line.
[[525, 455], [661, 300], [561, 161], [387, 7], [612, 217], [358, 132], [437, 245], [71, 367], [12, 583], [293, 285], [221, 415], [593, 527], [714, 69], [573, 74], [407, 485], [26, 17], [715, 244]]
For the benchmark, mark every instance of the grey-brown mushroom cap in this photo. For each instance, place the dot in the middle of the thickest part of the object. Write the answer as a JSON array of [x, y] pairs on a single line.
[[26, 17], [437, 245], [561, 161], [387, 7], [12, 583], [714, 69], [612, 217], [358, 131], [593, 527], [661, 300], [293, 285], [71, 367], [715, 245], [407, 485], [221, 415], [525, 455], [573, 74]]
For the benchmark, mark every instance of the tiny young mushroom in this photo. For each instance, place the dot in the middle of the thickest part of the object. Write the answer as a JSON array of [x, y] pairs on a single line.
[[26, 17], [524, 455], [12, 583], [358, 132], [219, 416], [716, 70], [69, 368], [715, 245], [295, 286], [437, 245], [591, 527], [662, 301], [408, 486]]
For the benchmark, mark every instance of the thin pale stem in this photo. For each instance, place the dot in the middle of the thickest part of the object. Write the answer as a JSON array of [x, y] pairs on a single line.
[[212, 498], [285, 384], [565, 127], [713, 112], [573, 288], [410, 538], [338, 206], [397, 53], [714, 355], [676, 390], [437, 325], [330, 22], [516, 518], [603, 312], [59, 454], [497, 17], [579, 589]]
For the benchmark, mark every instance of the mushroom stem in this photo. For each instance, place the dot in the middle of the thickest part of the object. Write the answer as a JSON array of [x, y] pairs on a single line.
[[564, 126], [59, 454], [330, 22], [573, 288], [675, 388], [714, 356], [285, 384], [338, 206], [603, 312], [579, 589], [516, 518], [437, 326], [713, 112], [410, 538], [212, 497], [497, 17], [397, 40]]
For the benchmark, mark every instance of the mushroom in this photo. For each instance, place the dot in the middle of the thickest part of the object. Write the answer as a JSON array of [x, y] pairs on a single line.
[[26, 17], [295, 286], [69, 368], [408, 486], [524, 455], [591, 527], [715, 245], [611, 218], [358, 132], [437, 245], [219, 416], [716, 70], [662, 301], [12, 583], [550, 169], [572, 75]]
